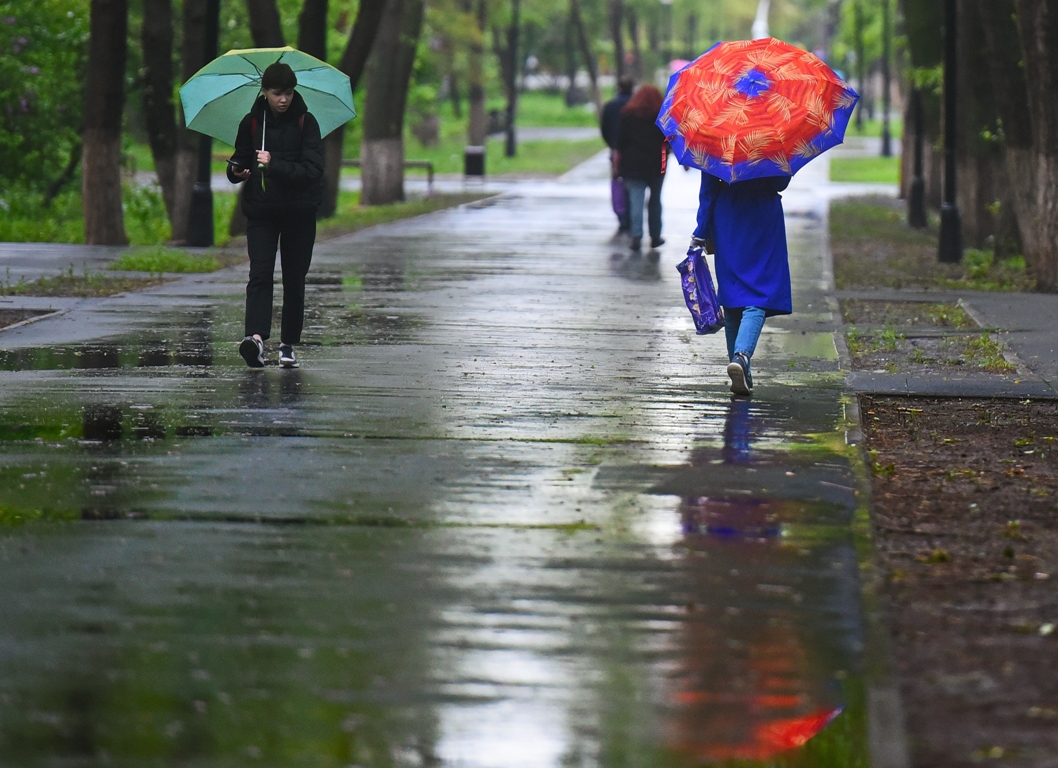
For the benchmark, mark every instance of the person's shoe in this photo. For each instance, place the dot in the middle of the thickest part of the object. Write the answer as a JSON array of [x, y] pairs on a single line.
[[636, 243], [252, 351], [657, 242], [738, 371], [287, 358]]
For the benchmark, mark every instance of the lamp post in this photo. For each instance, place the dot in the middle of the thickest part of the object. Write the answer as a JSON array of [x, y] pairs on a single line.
[[887, 140], [950, 250], [200, 217]]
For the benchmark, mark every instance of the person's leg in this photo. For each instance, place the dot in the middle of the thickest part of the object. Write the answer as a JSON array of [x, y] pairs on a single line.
[[732, 319], [654, 211], [745, 343], [749, 331], [295, 248], [262, 238], [637, 191]]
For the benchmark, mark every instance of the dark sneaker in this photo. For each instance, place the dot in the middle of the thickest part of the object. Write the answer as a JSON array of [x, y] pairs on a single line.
[[657, 242], [741, 380], [252, 351], [636, 242], [287, 358]]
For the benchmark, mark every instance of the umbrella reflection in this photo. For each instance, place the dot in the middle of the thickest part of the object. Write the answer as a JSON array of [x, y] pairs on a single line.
[[751, 683]]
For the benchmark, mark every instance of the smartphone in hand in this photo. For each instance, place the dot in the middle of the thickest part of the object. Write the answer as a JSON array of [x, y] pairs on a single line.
[[235, 167]]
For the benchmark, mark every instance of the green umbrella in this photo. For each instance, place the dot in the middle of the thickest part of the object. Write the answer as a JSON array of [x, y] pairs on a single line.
[[218, 95]]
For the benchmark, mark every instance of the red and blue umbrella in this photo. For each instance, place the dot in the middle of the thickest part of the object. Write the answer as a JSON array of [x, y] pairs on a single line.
[[751, 108]]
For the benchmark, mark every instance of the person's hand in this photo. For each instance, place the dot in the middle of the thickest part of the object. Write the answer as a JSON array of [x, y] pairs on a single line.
[[242, 174], [264, 157]]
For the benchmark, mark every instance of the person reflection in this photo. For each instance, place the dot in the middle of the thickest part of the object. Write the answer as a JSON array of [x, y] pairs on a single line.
[[748, 686]]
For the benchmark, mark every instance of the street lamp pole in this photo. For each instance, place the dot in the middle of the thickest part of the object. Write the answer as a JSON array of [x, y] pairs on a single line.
[[200, 218], [950, 250], [887, 141]]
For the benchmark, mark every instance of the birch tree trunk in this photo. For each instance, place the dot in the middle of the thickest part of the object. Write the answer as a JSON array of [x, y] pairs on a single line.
[[388, 73], [1037, 22], [104, 221], [354, 57]]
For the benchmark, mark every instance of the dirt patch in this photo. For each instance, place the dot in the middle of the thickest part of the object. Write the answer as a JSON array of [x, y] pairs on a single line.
[[966, 526], [87, 285], [873, 247], [12, 316], [913, 336]]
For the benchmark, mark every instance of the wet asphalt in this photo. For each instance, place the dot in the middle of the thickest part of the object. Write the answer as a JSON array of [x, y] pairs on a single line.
[[506, 514]]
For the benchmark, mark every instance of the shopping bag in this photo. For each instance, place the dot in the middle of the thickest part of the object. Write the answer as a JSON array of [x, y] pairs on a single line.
[[619, 196], [699, 292]]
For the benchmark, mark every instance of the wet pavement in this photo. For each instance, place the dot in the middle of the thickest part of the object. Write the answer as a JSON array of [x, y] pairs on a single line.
[[506, 514]]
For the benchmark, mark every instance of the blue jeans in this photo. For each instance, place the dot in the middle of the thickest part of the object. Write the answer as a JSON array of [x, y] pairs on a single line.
[[637, 190], [742, 327]]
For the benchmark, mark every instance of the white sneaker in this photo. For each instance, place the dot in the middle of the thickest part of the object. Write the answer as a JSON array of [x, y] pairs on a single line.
[[287, 358]]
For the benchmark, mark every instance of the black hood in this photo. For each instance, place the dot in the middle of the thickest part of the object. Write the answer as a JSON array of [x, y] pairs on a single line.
[[296, 109]]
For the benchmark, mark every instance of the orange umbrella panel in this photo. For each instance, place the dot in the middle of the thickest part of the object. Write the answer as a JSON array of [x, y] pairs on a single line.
[[753, 108]]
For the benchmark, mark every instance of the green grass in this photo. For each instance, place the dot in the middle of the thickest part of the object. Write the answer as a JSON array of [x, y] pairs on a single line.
[[159, 259], [351, 217], [84, 285], [883, 170], [874, 128]]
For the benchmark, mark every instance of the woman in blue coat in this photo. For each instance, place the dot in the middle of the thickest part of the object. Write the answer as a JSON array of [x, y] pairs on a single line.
[[744, 221]]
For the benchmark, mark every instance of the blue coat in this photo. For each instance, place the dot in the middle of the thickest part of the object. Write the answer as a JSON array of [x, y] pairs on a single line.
[[745, 222]]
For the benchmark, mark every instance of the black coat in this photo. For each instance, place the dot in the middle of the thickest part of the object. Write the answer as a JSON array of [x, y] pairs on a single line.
[[611, 117], [294, 179], [641, 148]]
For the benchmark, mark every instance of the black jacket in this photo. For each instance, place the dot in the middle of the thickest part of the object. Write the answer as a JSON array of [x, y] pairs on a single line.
[[641, 148], [611, 116], [294, 179]]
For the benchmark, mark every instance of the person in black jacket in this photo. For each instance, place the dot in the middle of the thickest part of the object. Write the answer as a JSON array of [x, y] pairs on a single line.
[[608, 123], [641, 156], [278, 153]]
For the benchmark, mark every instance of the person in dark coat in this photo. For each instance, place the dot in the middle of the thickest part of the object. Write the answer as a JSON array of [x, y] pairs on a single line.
[[608, 123], [641, 158], [745, 225], [279, 154]]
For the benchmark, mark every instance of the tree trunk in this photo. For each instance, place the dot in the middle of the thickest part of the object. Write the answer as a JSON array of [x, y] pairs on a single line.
[[1037, 22], [388, 72], [923, 24], [617, 14], [312, 28], [187, 142], [265, 26], [477, 125], [354, 57], [979, 158], [158, 108], [633, 35], [585, 48], [104, 222], [513, 29]]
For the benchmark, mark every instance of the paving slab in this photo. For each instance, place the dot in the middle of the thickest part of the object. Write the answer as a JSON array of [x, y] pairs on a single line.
[[506, 514]]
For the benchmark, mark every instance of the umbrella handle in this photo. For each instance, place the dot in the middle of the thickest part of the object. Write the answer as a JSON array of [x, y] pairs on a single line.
[[264, 125]]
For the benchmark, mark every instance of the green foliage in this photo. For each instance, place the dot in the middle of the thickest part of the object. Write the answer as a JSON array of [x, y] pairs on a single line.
[[885, 170], [43, 51], [146, 221], [23, 219], [158, 259]]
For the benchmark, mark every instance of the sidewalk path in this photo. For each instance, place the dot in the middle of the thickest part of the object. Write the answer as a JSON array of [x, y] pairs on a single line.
[[505, 515]]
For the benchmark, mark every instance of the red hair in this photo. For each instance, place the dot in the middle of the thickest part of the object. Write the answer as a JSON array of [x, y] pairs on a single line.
[[645, 102]]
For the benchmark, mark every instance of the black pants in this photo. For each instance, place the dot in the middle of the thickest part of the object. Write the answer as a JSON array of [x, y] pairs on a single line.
[[294, 233]]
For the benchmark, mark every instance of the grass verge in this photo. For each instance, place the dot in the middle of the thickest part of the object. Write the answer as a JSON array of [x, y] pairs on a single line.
[[873, 247], [881, 170], [87, 285]]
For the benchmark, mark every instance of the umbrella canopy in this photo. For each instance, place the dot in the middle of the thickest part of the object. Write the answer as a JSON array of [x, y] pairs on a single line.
[[218, 95], [753, 108]]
